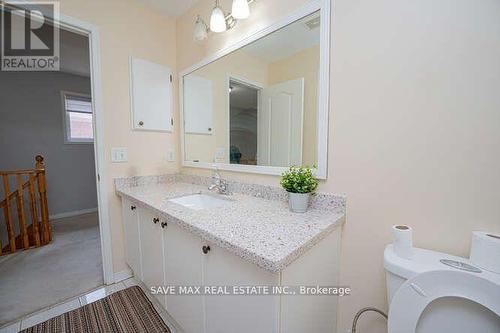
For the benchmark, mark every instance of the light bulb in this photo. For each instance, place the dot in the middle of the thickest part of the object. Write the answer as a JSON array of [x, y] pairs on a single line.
[[240, 9], [217, 20], [200, 29]]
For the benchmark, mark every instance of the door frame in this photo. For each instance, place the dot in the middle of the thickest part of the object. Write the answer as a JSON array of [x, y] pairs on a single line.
[[92, 33], [252, 84]]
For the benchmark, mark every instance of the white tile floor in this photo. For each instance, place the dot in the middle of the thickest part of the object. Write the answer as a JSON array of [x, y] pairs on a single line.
[[56, 310]]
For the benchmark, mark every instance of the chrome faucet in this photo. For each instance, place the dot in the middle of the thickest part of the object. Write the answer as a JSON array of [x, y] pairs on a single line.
[[218, 183]]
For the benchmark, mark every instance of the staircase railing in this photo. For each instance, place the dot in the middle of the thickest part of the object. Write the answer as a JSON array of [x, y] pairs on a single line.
[[31, 187]]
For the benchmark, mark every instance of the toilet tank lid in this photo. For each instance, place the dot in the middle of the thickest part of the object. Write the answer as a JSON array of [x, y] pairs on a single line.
[[422, 261]]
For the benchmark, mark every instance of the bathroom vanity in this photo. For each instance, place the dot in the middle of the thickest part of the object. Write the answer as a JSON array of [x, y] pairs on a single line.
[[177, 233]]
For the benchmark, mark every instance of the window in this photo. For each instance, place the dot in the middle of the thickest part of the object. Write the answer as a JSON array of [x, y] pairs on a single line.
[[78, 118]]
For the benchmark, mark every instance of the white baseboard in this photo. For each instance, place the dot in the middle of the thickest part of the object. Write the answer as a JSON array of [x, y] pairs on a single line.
[[73, 213], [123, 275]]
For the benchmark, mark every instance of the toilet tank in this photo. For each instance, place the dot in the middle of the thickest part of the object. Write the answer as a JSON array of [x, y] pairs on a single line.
[[398, 270]]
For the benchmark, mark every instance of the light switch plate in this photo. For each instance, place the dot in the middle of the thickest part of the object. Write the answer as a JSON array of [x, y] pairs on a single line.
[[119, 155]]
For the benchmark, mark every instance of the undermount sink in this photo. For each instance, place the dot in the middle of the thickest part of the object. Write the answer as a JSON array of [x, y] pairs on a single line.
[[200, 201]]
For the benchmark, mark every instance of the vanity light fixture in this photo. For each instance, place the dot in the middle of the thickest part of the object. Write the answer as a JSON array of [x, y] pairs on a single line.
[[200, 29], [219, 21], [240, 9]]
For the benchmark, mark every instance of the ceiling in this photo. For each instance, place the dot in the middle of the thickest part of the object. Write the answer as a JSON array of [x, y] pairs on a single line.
[[171, 8], [286, 41]]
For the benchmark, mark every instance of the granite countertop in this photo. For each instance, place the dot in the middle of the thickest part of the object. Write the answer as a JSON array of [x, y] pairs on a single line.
[[257, 226]]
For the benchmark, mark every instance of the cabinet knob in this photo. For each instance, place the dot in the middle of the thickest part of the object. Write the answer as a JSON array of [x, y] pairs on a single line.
[[164, 224], [141, 123], [132, 207], [156, 220], [205, 249]]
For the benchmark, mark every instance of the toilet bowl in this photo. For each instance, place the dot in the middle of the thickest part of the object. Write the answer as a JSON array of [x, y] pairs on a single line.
[[436, 292]]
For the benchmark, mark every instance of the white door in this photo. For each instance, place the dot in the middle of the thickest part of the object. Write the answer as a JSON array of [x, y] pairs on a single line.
[[198, 104], [132, 237], [242, 314], [280, 124], [151, 251], [151, 87], [183, 267]]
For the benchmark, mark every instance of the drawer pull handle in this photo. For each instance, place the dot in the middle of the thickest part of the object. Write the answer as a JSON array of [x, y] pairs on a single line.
[[156, 220], [164, 224], [205, 249], [132, 207]]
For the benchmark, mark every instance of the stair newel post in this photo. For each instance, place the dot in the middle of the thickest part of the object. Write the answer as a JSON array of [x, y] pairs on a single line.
[[42, 190]]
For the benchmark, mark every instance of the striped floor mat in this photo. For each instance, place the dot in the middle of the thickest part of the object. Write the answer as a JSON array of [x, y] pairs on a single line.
[[127, 311]]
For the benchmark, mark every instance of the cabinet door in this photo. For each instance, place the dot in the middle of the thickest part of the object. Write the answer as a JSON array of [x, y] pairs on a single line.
[[151, 95], [151, 251], [132, 238], [183, 267], [242, 314]]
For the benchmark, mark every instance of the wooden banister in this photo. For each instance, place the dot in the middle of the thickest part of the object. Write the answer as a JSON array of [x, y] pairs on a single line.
[[8, 215], [39, 231]]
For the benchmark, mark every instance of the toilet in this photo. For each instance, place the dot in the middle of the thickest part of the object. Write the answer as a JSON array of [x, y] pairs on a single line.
[[437, 292]]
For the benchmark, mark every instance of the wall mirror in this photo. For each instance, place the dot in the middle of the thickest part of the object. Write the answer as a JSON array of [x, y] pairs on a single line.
[[262, 105]]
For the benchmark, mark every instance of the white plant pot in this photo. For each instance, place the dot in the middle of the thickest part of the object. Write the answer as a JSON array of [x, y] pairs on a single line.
[[298, 202]]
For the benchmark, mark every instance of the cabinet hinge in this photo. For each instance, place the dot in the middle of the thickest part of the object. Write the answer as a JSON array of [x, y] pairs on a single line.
[[172, 121], [171, 78]]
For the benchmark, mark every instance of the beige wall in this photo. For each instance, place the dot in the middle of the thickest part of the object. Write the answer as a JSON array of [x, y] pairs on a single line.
[[414, 126], [128, 29]]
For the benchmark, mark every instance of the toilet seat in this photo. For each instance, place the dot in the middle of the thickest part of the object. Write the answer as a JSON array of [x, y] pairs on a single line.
[[417, 293]]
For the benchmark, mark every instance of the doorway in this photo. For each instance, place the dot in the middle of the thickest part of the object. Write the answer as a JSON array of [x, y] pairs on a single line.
[[58, 117]]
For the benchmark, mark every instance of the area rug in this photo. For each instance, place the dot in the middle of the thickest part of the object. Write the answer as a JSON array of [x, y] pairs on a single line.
[[125, 311]]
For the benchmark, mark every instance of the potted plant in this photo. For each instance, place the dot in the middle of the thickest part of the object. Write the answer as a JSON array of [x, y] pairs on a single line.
[[300, 183]]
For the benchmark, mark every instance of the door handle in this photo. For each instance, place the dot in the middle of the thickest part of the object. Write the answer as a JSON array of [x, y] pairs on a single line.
[[164, 224], [205, 249], [156, 220], [132, 207]]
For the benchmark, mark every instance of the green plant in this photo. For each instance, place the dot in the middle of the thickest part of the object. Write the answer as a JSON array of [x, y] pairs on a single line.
[[299, 180]]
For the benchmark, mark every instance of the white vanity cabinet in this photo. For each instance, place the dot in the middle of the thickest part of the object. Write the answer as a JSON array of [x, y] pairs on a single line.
[[132, 238], [162, 254], [151, 245], [183, 267], [238, 313]]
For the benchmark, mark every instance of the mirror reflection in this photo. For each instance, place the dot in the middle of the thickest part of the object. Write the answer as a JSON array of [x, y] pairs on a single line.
[[257, 105]]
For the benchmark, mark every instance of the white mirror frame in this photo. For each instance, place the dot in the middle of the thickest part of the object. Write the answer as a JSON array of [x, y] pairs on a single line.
[[323, 91]]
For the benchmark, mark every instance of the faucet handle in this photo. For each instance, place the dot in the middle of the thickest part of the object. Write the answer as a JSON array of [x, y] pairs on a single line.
[[216, 173]]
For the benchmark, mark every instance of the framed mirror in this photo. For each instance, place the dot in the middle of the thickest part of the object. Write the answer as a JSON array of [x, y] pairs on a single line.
[[262, 105]]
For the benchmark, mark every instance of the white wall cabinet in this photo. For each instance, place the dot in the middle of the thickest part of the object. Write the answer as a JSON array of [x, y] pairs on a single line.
[[172, 256], [198, 105], [151, 94]]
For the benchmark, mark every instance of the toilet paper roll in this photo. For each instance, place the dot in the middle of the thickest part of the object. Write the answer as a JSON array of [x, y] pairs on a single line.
[[485, 251], [403, 241]]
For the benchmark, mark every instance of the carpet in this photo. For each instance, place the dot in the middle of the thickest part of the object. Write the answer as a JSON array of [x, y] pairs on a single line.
[[125, 311], [38, 278]]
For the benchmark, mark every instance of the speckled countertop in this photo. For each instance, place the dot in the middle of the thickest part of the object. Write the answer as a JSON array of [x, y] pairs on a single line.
[[257, 225]]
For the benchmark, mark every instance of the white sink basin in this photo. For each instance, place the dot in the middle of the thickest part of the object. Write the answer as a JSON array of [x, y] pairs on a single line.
[[200, 201]]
